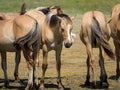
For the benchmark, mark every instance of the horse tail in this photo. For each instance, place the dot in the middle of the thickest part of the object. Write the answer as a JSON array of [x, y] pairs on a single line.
[[31, 38], [99, 35], [23, 9]]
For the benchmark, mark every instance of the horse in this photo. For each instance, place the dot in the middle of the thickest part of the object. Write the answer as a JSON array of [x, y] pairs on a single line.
[[55, 30], [114, 23], [95, 34], [6, 23]]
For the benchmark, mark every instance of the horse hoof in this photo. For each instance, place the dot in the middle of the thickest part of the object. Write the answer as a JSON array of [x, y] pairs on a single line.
[[87, 83], [104, 84], [61, 87], [93, 86], [6, 85]]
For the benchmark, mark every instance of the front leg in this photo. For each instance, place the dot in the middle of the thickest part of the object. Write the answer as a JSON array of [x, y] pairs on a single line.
[[117, 53], [44, 65], [4, 68], [58, 67]]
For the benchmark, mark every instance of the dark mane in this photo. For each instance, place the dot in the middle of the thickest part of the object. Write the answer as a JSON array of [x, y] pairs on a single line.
[[47, 9], [65, 16], [44, 10], [53, 21]]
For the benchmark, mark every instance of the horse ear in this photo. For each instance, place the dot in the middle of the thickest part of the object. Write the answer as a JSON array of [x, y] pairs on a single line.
[[73, 17], [109, 20], [59, 18]]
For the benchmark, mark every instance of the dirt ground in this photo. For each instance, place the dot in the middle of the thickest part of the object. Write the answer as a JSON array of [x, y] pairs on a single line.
[[73, 69]]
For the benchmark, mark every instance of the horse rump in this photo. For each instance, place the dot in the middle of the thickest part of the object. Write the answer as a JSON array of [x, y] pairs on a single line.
[[99, 36], [29, 39]]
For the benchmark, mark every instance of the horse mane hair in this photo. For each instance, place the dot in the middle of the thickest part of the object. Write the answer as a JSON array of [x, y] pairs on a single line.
[[46, 10], [23, 9], [52, 19]]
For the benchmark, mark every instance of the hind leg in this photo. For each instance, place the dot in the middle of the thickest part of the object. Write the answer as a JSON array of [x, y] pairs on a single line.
[[103, 75], [87, 82], [30, 63], [117, 53], [90, 63]]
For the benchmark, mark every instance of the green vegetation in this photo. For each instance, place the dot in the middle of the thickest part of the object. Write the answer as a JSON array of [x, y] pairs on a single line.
[[69, 6]]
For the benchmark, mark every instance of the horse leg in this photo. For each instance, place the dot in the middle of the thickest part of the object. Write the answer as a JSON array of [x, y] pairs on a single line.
[[90, 63], [4, 67], [35, 66], [87, 82], [17, 62], [117, 53], [103, 75], [44, 67], [29, 61], [58, 67]]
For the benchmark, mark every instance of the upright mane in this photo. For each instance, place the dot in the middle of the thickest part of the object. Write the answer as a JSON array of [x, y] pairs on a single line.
[[52, 19], [23, 9], [46, 10], [65, 17]]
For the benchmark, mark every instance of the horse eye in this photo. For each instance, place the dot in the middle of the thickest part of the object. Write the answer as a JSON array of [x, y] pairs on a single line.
[[62, 30]]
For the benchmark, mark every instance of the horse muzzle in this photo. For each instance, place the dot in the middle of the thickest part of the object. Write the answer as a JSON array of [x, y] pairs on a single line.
[[67, 45]]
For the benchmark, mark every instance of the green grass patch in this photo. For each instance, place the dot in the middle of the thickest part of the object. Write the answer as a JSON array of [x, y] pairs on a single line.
[[69, 6]]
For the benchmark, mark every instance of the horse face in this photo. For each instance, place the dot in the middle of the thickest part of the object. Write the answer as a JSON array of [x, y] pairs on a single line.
[[66, 29]]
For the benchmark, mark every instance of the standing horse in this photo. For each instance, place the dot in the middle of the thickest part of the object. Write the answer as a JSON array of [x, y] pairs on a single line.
[[16, 32], [55, 30], [114, 24], [6, 43], [94, 33]]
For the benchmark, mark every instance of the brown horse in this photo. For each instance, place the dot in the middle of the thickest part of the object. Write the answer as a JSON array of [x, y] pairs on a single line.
[[16, 32], [114, 24], [9, 18], [55, 30], [94, 33], [6, 25]]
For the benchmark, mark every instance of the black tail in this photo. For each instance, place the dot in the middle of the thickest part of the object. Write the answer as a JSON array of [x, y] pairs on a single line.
[[32, 37], [99, 35]]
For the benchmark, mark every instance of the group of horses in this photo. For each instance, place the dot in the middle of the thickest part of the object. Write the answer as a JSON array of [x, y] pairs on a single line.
[[47, 29], [30, 31]]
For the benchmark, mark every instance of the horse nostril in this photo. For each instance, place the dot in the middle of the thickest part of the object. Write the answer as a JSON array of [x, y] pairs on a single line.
[[67, 45]]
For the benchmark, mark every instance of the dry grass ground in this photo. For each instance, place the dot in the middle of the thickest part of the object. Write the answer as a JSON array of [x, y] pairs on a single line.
[[73, 70]]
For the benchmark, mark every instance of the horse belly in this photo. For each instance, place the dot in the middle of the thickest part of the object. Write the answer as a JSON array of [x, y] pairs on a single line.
[[7, 47]]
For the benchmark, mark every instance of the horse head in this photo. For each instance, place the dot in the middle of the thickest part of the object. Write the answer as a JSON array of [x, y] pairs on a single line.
[[66, 27]]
